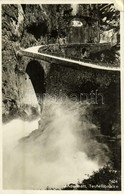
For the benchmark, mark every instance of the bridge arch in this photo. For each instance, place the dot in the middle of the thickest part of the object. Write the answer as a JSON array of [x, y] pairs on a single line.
[[36, 73]]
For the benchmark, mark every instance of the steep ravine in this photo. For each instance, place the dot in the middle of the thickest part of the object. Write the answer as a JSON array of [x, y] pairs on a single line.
[[96, 122]]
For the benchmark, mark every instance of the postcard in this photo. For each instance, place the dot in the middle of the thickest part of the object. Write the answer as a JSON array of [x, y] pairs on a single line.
[[61, 96]]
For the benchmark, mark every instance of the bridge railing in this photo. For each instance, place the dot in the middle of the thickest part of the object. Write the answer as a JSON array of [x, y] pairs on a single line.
[[52, 58]]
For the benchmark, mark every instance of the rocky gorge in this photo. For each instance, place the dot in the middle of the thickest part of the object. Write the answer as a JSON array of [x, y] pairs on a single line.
[[24, 26]]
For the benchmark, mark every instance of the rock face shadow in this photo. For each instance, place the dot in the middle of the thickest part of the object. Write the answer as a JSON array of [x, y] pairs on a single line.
[[36, 74]]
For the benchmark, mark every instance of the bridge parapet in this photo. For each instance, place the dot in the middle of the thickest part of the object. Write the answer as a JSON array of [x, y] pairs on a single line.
[[33, 52]]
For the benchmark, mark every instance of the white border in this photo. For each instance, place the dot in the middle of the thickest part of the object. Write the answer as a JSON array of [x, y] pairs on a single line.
[[120, 4]]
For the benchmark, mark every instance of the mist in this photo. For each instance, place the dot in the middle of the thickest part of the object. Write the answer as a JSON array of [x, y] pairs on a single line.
[[62, 149]]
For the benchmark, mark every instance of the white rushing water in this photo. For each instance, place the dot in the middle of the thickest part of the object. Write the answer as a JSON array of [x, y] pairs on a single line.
[[62, 151]]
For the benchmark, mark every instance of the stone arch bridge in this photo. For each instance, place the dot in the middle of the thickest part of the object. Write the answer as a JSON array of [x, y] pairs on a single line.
[[36, 72]]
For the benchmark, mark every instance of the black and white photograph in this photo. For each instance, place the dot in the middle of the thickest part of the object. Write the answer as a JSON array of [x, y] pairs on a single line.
[[61, 96]]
